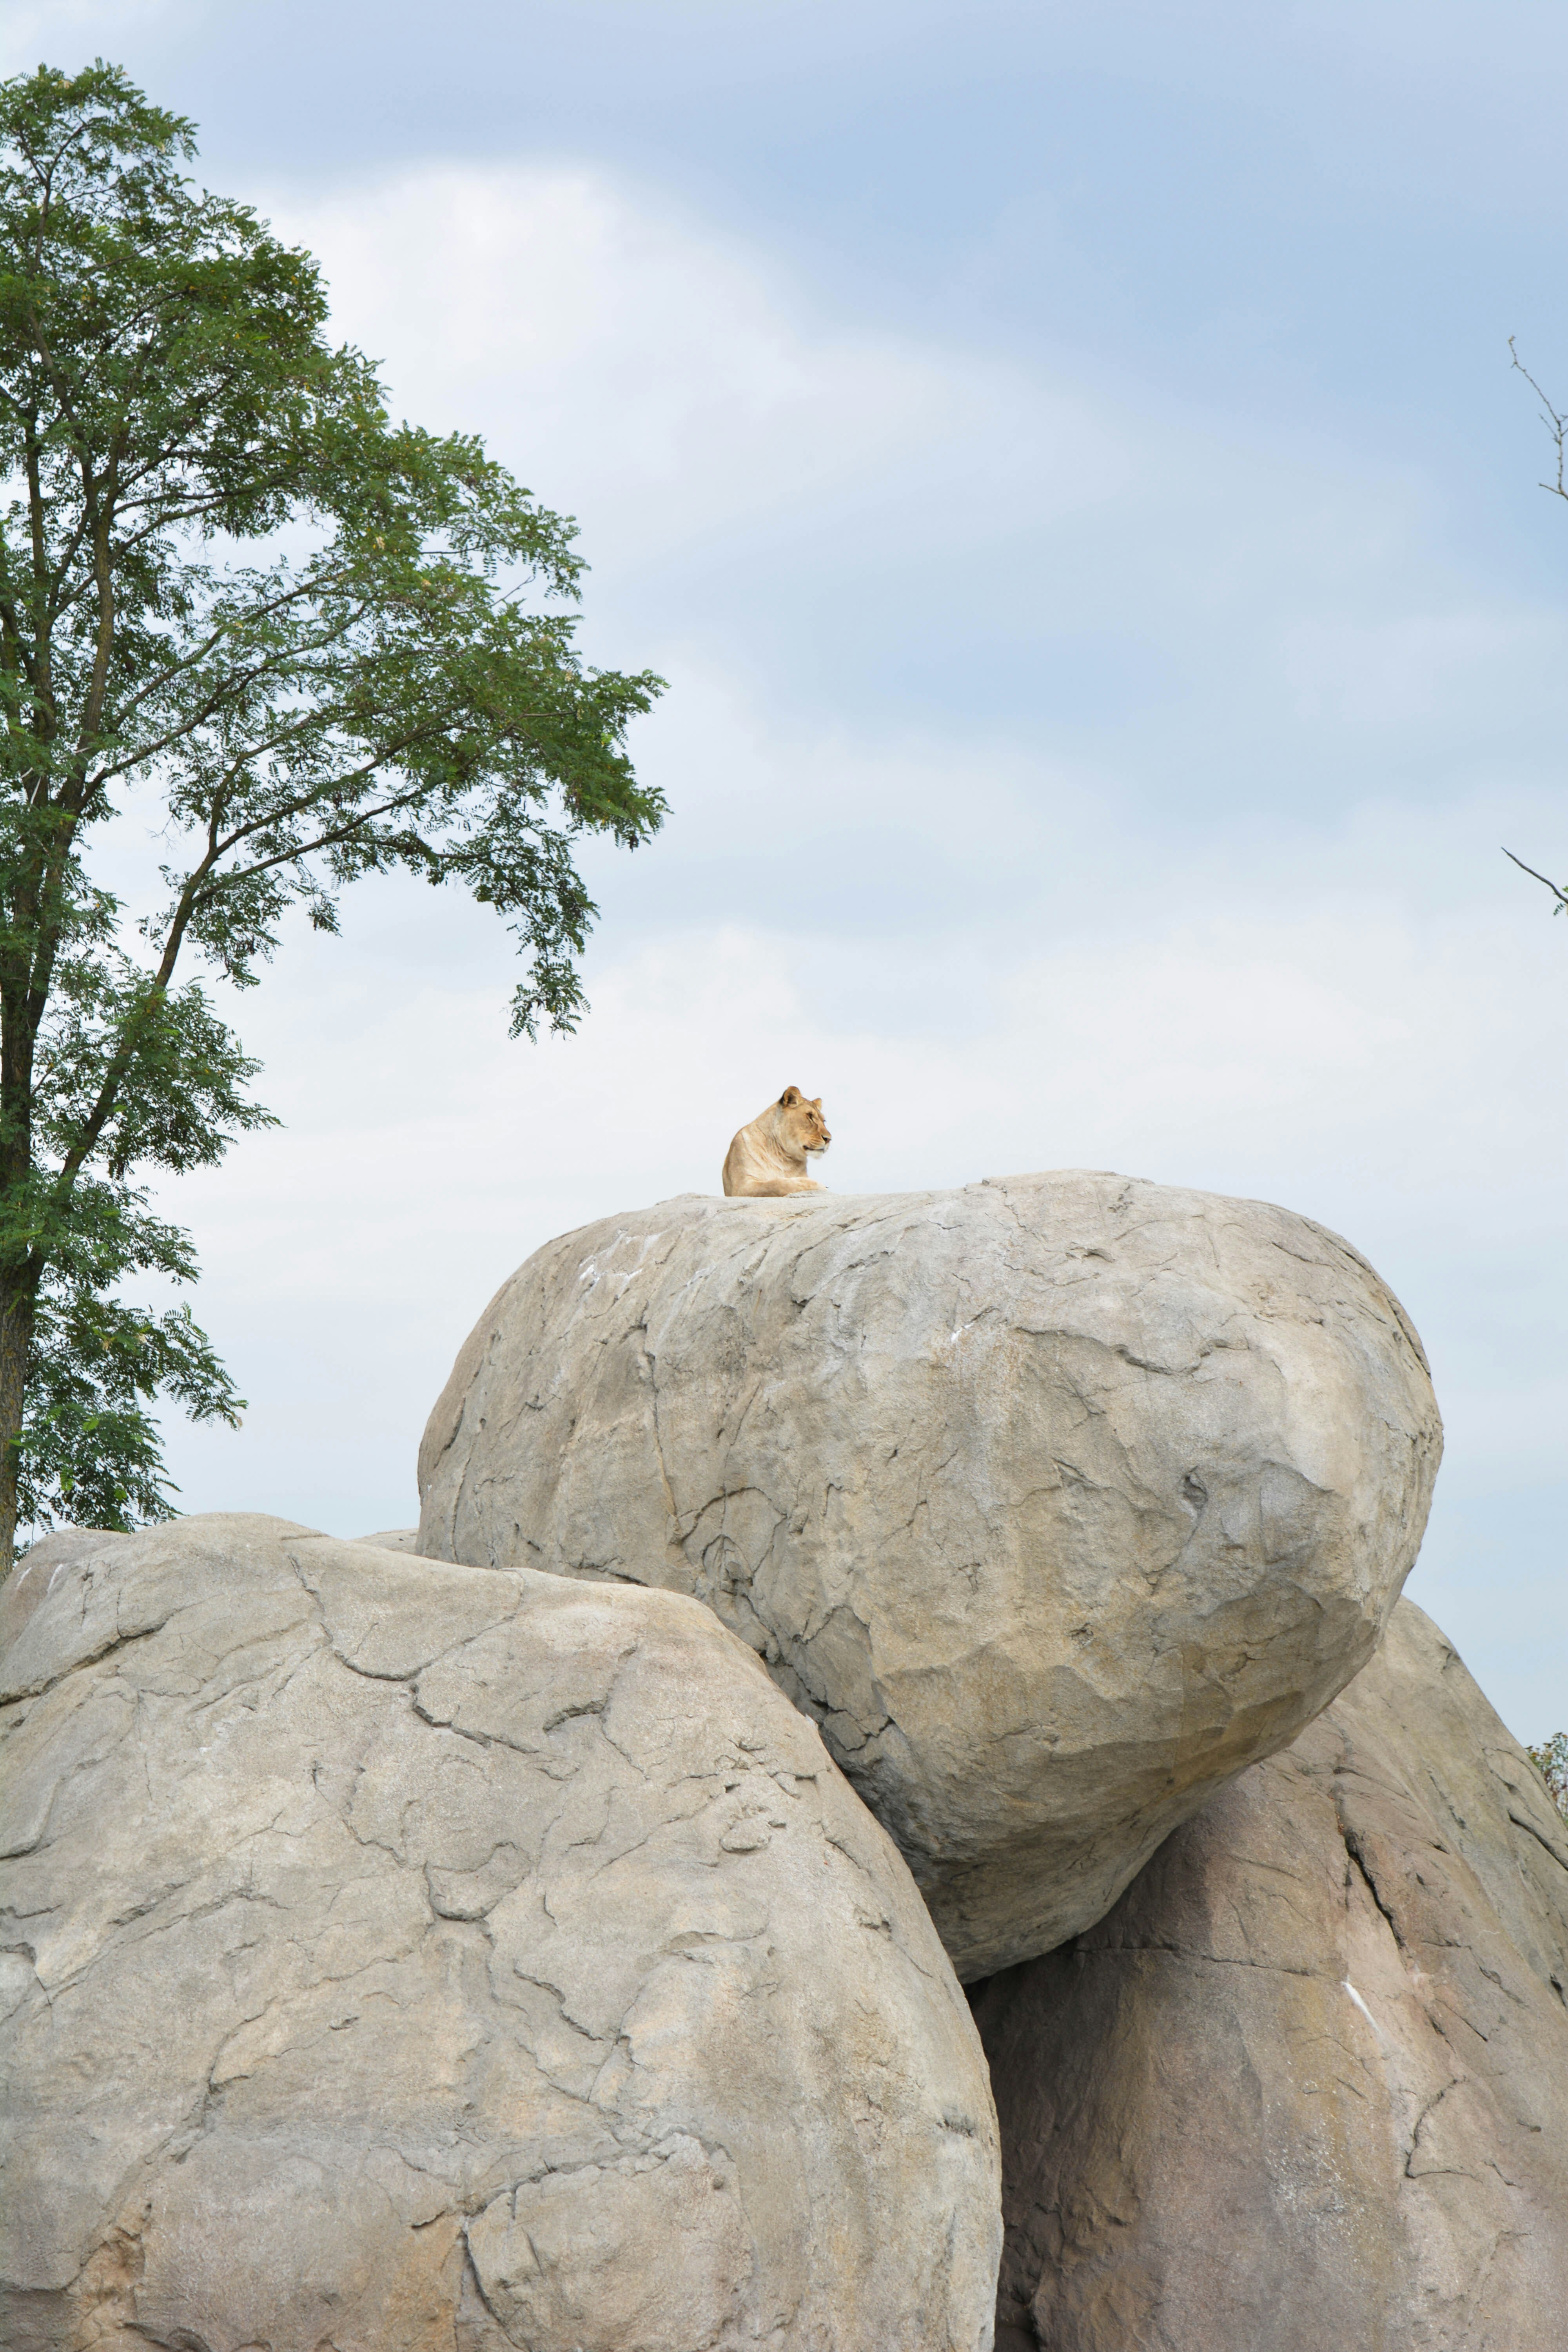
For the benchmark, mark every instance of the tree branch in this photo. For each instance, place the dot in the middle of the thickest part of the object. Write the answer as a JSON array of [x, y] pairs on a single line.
[[1558, 427], [1560, 895]]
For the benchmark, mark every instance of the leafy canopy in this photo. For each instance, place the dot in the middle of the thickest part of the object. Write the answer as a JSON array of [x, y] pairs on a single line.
[[310, 643]]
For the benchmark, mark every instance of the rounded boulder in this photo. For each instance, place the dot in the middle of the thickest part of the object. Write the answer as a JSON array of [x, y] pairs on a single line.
[[1056, 1501], [401, 1957]]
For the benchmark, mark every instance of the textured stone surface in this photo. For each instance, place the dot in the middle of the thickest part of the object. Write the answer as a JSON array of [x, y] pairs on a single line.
[[1307, 2086], [47, 1560], [1057, 1501], [401, 1957]]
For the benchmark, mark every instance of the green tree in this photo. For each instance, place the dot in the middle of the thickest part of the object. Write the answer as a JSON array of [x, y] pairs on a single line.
[[1550, 1760], [305, 643]]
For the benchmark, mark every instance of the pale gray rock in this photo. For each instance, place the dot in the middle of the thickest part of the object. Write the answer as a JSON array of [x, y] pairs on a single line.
[[410, 1958], [1307, 2086], [1056, 1501], [39, 1568], [393, 1540]]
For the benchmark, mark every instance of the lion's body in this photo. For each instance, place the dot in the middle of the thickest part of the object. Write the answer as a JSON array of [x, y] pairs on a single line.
[[767, 1159]]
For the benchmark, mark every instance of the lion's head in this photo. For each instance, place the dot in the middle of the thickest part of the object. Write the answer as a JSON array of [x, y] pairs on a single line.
[[800, 1122]]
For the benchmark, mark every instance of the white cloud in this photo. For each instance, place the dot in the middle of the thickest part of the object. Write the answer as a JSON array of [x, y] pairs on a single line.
[[1195, 609], [655, 379], [1368, 1060], [1031, 929]]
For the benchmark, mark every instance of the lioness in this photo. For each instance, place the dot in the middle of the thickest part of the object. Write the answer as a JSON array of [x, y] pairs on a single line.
[[767, 1159]]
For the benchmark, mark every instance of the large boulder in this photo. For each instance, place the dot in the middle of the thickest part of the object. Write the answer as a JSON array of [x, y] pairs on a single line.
[[1055, 1501], [39, 1569], [1307, 2085], [399, 1957]]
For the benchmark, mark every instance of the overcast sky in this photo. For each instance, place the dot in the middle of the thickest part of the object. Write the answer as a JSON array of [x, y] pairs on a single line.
[[1066, 462]]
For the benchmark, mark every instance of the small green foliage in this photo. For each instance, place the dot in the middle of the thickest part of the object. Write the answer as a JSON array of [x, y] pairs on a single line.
[[1550, 1760], [90, 1452], [394, 684]]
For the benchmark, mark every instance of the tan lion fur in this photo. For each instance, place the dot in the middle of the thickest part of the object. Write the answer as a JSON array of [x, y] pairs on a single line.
[[767, 1159]]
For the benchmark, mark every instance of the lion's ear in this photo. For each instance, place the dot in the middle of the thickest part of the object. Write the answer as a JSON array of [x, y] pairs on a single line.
[[789, 1098], [816, 1102]]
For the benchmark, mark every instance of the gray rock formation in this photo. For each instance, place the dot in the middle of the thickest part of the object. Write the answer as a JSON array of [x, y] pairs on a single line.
[[1305, 2087], [402, 1957], [1056, 1501], [51, 1557], [393, 1540]]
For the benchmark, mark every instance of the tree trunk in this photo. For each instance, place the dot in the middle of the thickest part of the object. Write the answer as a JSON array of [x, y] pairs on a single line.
[[16, 1333]]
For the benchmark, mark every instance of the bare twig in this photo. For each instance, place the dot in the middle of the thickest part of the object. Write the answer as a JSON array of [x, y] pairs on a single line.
[[1558, 427], [1560, 895]]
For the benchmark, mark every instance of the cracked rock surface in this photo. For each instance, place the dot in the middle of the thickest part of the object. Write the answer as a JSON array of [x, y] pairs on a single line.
[[1307, 2086], [1056, 1501], [397, 1956]]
